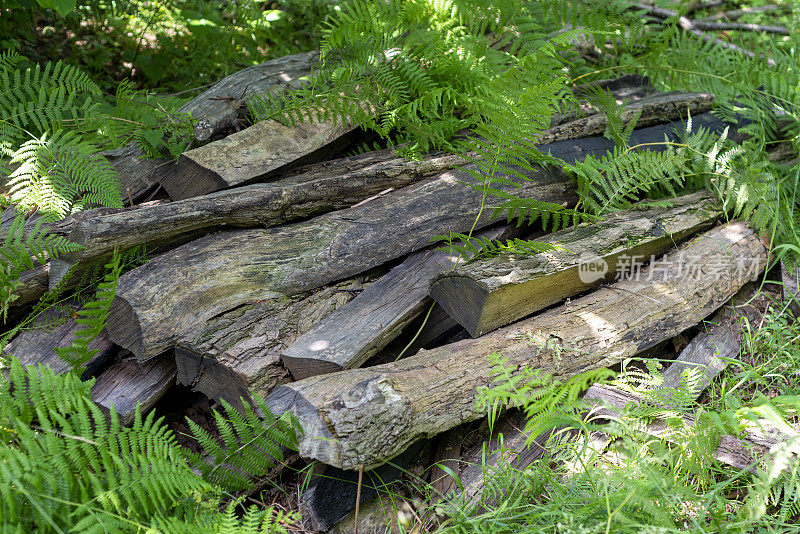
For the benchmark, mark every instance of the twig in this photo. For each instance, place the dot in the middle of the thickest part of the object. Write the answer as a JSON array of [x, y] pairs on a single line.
[[738, 13], [688, 25], [358, 498], [739, 26]]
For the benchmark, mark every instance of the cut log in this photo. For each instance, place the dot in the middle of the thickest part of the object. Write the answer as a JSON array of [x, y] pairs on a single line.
[[494, 292], [790, 277], [362, 417], [316, 189], [129, 384], [354, 333], [707, 355], [161, 301], [237, 355], [56, 327], [253, 154], [217, 111]]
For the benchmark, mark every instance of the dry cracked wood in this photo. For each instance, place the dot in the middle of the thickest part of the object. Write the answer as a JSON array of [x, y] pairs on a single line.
[[352, 334], [494, 292], [706, 356], [56, 327], [128, 384], [253, 154], [362, 417], [217, 111], [158, 303], [237, 354], [315, 189]]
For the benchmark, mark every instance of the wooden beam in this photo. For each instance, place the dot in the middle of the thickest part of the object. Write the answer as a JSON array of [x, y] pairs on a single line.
[[128, 384], [494, 292], [354, 333], [158, 303], [313, 190], [362, 417], [252, 154]]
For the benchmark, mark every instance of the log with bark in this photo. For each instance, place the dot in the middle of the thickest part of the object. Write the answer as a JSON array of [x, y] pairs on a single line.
[[216, 111], [494, 292], [706, 356], [160, 302], [362, 417], [313, 190], [790, 278], [352, 334]]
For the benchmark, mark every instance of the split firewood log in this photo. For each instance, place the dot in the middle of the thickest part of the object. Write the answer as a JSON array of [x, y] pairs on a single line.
[[158, 303], [362, 417]]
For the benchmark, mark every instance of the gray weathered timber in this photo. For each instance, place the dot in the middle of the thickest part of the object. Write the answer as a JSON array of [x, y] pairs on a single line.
[[706, 355], [237, 354], [128, 384], [790, 277], [216, 111], [253, 154], [494, 292], [56, 327], [362, 417], [354, 333], [158, 303], [315, 189]]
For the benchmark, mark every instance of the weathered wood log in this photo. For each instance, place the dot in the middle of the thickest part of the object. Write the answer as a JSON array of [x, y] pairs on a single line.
[[56, 327], [217, 111], [129, 384], [159, 302], [706, 355], [790, 277], [237, 354], [253, 154], [354, 333], [494, 292], [315, 189], [362, 417]]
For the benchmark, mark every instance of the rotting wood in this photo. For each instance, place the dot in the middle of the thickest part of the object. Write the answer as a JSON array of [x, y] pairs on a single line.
[[253, 154], [128, 384], [362, 417], [352, 334], [56, 327], [315, 189], [237, 354], [217, 111], [707, 353], [157, 303], [494, 292]]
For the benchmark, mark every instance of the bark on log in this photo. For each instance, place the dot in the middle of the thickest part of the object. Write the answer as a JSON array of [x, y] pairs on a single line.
[[790, 277], [129, 384], [362, 417], [494, 292], [161, 301], [707, 353], [55, 327], [217, 110], [315, 189], [354, 333], [253, 154], [237, 355]]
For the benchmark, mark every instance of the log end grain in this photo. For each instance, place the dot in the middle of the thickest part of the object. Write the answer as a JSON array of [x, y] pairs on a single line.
[[464, 299], [301, 367], [123, 326], [188, 179]]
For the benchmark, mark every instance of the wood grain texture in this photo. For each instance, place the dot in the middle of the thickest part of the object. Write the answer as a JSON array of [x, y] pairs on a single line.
[[354, 333], [128, 384], [494, 292], [158, 303], [237, 354], [252, 154], [312, 190], [707, 355], [362, 417], [56, 327]]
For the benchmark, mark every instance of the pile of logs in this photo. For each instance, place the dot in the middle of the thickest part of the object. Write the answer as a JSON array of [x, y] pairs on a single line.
[[282, 270]]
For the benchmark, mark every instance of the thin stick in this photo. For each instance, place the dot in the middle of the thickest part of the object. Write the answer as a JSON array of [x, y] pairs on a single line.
[[358, 497]]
